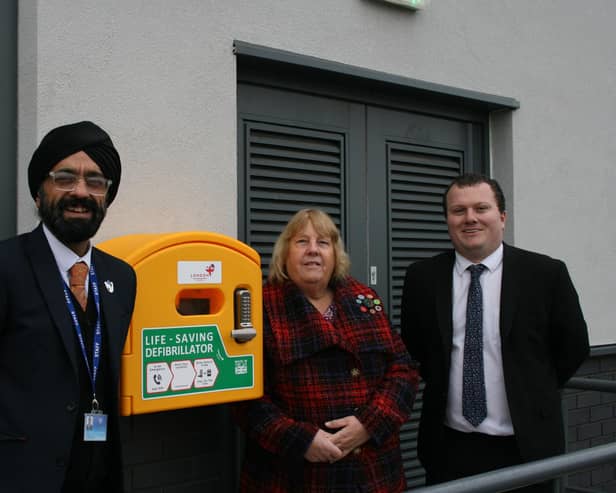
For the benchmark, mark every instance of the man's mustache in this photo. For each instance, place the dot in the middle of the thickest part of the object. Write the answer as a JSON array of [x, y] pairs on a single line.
[[72, 202]]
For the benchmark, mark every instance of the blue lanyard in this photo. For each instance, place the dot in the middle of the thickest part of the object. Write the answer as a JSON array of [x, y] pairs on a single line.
[[98, 332]]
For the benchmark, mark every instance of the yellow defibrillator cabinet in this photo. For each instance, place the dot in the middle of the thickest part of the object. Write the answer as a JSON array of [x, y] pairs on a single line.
[[195, 337]]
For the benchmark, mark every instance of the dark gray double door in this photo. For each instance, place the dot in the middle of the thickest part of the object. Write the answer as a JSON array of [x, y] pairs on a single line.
[[379, 171]]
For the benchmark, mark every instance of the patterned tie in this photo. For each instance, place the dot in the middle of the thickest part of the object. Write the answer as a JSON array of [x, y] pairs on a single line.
[[474, 407], [77, 277]]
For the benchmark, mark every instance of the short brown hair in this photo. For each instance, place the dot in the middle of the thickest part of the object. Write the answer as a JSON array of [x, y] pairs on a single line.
[[472, 179]]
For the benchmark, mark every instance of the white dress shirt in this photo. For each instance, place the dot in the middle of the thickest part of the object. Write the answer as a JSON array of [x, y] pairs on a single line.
[[498, 420], [65, 257]]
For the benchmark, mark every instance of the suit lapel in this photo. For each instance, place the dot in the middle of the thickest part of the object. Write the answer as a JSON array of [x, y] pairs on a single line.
[[109, 308], [443, 280], [509, 292], [49, 280]]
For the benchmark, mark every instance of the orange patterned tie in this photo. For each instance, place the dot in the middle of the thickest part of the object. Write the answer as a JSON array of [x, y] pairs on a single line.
[[77, 277]]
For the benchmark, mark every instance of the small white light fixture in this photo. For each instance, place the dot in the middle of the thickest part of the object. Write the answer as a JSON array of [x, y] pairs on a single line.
[[410, 4]]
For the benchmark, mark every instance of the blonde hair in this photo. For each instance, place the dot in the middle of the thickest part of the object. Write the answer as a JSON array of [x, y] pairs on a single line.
[[325, 227]]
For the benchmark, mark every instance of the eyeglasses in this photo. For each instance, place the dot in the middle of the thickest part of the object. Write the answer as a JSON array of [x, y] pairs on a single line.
[[66, 181]]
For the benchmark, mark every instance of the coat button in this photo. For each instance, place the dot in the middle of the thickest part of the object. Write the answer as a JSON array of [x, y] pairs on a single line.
[[357, 451], [355, 372], [71, 406]]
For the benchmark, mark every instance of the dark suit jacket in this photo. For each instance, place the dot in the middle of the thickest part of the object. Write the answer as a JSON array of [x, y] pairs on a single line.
[[39, 388], [544, 341]]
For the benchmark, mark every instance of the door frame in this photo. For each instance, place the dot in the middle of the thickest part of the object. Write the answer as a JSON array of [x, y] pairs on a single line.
[[300, 74], [8, 118], [279, 69]]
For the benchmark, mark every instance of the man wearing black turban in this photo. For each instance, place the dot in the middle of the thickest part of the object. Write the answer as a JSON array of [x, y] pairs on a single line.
[[61, 337]]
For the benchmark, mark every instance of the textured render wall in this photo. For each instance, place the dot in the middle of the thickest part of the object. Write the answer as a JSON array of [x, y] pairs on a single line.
[[160, 76]]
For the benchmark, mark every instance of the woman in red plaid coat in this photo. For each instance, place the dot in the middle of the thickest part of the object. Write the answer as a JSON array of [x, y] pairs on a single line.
[[339, 382]]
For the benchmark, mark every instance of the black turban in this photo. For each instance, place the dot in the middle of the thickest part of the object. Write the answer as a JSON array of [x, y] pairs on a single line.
[[63, 141]]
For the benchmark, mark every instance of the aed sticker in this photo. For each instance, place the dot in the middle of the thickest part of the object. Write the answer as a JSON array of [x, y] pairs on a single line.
[[190, 360], [200, 272]]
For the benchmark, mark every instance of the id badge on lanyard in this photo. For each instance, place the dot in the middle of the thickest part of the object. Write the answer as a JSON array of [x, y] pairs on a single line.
[[95, 425], [94, 422]]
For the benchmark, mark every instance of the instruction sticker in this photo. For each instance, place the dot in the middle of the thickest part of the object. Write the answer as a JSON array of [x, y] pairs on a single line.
[[190, 360]]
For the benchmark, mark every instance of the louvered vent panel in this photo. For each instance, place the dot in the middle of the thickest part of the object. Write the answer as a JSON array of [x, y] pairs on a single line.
[[418, 176], [290, 168], [408, 445]]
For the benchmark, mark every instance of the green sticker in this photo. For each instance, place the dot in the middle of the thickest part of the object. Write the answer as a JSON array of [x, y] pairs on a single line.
[[190, 360]]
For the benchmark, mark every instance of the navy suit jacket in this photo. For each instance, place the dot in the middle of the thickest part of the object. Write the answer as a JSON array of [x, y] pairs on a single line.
[[543, 336], [39, 388]]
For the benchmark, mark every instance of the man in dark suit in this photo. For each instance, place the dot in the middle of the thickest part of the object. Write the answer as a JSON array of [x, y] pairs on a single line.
[[494, 347], [60, 344]]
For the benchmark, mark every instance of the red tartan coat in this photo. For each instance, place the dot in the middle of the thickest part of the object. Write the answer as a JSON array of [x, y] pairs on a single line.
[[316, 371]]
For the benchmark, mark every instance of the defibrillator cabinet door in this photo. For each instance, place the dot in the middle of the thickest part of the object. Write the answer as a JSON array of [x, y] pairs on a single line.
[[195, 338]]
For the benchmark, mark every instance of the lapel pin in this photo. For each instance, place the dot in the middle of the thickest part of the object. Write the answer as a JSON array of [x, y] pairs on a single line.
[[109, 286]]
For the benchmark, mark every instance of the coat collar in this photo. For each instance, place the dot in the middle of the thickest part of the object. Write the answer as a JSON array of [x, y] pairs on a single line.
[[49, 280], [444, 301], [111, 309], [509, 290], [300, 331]]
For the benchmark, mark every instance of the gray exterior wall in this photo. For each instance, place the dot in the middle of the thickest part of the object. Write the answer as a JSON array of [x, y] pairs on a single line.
[[161, 77]]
